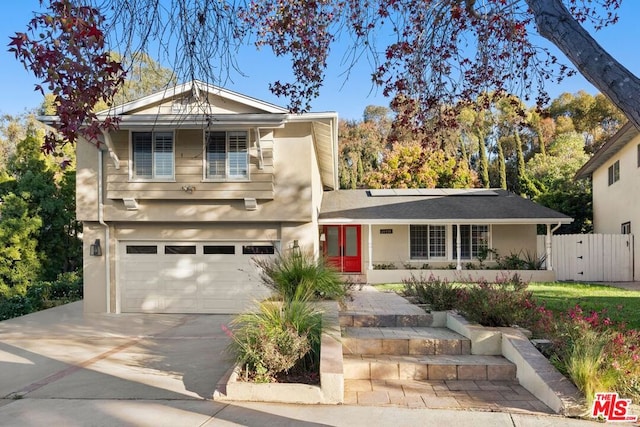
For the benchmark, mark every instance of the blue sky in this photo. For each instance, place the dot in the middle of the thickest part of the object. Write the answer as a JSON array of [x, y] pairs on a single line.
[[348, 98]]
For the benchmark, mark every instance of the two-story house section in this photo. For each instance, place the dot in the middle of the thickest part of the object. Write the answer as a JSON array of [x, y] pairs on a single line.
[[615, 174], [197, 182]]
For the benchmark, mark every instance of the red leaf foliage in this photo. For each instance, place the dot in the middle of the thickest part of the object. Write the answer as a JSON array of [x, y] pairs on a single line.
[[65, 48]]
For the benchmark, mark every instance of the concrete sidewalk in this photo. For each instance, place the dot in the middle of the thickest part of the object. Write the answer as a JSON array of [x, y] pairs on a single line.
[[60, 367]]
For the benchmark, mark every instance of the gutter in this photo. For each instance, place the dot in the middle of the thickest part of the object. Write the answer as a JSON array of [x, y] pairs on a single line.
[[107, 237]]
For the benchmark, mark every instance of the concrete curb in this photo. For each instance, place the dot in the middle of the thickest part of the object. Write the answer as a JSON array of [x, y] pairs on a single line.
[[330, 391]]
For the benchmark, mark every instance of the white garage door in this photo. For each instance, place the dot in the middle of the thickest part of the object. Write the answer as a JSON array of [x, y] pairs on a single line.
[[188, 277]]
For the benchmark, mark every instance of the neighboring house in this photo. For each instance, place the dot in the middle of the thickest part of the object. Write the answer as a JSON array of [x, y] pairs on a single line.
[[615, 175], [199, 180]]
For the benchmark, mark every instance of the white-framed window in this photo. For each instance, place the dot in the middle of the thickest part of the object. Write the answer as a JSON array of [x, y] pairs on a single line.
[[427, 241], [227, 155], [473, 239], [614, 172], [152, 155]]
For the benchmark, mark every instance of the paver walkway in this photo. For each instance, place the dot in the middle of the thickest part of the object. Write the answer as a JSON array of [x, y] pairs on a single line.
[[369, 307]]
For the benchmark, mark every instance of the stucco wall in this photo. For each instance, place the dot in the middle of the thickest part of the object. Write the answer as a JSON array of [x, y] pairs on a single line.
[[618, 203], [394, 247]]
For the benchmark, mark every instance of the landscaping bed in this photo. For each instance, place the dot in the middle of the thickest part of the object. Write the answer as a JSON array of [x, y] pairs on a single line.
[[596, 347]]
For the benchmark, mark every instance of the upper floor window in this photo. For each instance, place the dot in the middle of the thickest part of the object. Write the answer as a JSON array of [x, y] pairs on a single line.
[[427, 241], [474, 239], [152, 155], [614, 172], [227, 156], [638, 155]]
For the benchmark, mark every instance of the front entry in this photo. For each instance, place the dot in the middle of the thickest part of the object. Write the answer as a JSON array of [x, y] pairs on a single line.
[[342, 247]]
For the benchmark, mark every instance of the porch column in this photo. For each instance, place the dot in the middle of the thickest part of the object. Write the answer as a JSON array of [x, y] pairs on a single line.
[[458, 247], [547, 246], [370, 247]]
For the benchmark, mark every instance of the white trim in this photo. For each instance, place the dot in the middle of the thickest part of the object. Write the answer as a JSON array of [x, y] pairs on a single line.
[[446, 221], [187, 88]]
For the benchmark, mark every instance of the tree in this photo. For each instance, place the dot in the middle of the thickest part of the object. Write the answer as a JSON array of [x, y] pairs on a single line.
[[19, 264], [408, 165], [593, 116], [553, 174], [48, 194], [443, 52]]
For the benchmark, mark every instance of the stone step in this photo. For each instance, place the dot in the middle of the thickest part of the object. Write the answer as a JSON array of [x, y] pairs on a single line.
[[435, 367], [412, 341], [363, 320]]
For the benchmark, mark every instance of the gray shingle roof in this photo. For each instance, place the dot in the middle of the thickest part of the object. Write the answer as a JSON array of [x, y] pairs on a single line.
[[436, 205]]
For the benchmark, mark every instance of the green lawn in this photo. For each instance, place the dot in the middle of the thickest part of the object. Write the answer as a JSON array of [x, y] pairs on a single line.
[[622, 305]]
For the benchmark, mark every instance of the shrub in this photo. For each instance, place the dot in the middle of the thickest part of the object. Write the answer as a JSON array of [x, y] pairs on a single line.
[[439, 294], [296, 271], [504, 303], [17, 305], [279, 337]]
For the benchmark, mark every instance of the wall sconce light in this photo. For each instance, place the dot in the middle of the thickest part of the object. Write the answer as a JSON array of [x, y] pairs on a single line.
[[296, 245], [323, 237], [95, 249]]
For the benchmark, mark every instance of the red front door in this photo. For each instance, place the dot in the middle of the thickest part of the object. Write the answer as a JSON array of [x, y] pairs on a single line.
[[342, 247]]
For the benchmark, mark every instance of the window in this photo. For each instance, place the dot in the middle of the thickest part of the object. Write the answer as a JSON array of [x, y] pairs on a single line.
[[614, 172], [473, 239], [258, 250], [427, 241], [219, 249], [179, 250], [142, 249], [227, 156], [152, 154], [638, 155], [625, 228]]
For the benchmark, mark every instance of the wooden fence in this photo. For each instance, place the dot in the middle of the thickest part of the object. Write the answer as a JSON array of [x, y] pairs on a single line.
[[591, 257]]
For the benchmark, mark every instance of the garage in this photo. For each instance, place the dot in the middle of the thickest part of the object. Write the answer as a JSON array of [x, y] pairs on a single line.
[[190, 277]]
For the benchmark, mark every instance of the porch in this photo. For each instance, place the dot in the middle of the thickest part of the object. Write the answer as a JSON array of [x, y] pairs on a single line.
[[381, 236]]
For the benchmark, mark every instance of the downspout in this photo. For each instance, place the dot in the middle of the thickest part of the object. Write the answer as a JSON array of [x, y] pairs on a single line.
[[107, 243], [547, 242]]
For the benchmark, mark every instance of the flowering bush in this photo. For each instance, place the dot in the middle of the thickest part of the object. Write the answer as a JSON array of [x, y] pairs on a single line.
[[597, 354], [503, 303], [439, 294]]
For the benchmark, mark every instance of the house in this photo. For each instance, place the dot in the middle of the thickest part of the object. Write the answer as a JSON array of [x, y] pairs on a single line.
[[615, 175], [199, 180]]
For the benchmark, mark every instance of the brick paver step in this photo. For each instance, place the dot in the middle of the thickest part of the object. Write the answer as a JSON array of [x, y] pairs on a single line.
[[403, 341], [387, 320], [429, 367]]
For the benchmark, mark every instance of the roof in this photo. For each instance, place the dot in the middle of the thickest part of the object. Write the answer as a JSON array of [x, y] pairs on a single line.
[[193, 88], [443, 206], [608, 150]]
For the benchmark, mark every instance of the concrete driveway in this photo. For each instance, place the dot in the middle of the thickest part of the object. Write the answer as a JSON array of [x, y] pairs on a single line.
[[59, 367], [62, 353]]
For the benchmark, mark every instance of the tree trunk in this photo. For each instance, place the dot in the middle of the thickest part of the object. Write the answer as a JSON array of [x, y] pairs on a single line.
[[556, 24], [483, 167], [502, 167]]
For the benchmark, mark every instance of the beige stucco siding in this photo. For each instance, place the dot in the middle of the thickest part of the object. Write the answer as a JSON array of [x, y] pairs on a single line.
[[516, 239], [619, 203], [394, 247]]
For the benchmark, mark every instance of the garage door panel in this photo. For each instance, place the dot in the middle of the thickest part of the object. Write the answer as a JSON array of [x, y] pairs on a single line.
[[170, 282]]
